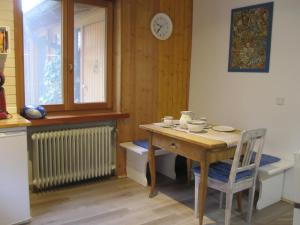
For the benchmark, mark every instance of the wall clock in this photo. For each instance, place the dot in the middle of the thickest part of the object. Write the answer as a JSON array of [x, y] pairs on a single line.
[[161, 26]]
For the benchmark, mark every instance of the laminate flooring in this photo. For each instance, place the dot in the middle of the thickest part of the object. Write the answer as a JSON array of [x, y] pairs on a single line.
[[124, 202]]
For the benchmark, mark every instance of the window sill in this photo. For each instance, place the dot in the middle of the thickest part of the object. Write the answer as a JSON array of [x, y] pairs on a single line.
[[78, 118]]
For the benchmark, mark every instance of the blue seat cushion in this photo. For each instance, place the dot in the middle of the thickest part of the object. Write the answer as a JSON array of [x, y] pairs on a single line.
[[221, 171], [141, 143], [265, 159]]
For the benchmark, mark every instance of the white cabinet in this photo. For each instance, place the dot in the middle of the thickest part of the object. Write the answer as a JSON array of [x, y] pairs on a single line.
[[14, 188]]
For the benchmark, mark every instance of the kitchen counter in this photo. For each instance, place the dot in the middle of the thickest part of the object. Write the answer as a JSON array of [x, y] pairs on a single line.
[[15, 121]]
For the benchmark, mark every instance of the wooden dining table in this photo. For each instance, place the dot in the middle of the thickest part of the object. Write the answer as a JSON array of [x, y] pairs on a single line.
[[193, 147]]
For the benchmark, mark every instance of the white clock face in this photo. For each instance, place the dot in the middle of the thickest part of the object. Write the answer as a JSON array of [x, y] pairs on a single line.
[[161, 26]]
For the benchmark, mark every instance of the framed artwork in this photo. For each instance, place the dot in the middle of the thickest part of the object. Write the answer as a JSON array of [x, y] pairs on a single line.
[[250, 38], [4, 40]]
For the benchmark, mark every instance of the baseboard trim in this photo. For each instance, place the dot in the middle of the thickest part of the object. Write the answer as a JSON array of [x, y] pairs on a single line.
[[287, 201]]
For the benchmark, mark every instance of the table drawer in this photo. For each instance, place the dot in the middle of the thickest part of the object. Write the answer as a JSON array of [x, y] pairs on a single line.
[[182, 148]]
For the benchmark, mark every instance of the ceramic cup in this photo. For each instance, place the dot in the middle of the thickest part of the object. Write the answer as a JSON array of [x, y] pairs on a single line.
[[196, 126], [168, 120], [204, 119]]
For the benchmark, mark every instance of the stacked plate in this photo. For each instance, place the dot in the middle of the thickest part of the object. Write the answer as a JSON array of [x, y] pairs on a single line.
[[223, 128]]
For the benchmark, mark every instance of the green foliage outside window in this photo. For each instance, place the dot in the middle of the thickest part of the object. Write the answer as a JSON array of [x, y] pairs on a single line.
[[51, 79]]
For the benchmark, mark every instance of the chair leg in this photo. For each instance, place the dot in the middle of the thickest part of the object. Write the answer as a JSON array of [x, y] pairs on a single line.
[[196, 209], [221, 199], [239, 200], [250, 202], [229, 197]]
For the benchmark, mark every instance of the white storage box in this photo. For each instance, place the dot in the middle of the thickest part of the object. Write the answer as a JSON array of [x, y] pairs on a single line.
[[137, 159]]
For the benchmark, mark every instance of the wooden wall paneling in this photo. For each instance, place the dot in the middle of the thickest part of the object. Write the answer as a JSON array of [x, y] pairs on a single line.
[[7, 61], [154, 74], [138, 64], [155, 56], [181, 75], [170, 74], [145, 50], [137, 69], [165, 84], [173, 66], [187, 46], [127, 74], [117, 55], [122, 124], [127, 101], [18, 30]]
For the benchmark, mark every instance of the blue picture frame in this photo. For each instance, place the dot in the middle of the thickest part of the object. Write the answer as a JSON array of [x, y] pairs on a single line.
[[250, 38]]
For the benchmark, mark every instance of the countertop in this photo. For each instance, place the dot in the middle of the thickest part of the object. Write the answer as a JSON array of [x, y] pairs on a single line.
[[15, 121]]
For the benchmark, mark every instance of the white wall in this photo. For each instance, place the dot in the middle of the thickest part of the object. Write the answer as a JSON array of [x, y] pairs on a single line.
[[248, 100]]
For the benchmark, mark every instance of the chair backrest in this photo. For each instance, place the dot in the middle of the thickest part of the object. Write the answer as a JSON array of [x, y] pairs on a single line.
[[251, 142]]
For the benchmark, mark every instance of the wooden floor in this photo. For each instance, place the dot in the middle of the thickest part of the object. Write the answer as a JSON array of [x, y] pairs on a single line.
[[124, 202]]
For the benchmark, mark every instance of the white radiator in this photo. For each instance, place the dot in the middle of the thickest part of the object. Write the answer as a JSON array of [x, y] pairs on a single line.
[[61, 157]]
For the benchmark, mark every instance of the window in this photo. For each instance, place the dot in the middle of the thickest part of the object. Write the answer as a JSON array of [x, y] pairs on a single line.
[[66, 50], [42, 41]]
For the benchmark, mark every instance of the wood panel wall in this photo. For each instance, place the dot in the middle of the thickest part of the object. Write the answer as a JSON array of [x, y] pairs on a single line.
[[174, 60], [7, 19], [154, 74]]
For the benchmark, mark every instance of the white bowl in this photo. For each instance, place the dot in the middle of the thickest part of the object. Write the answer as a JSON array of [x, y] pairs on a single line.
[[196, 126]]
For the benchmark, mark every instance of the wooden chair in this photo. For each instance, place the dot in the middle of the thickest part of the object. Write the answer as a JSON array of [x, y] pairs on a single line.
[[241, 173]]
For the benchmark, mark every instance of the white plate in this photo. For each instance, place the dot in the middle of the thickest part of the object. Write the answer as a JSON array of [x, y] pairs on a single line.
[[223, 128], [163, 125]]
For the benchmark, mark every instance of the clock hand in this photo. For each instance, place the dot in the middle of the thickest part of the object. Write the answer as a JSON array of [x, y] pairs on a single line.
[[159, 29], [157, 24]]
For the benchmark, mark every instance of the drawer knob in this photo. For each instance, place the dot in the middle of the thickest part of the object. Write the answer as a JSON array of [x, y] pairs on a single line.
[[173, 145]]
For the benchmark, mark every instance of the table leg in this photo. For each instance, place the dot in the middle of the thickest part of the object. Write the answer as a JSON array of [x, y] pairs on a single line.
[[151, 159], [202, 189], [189, 170]]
